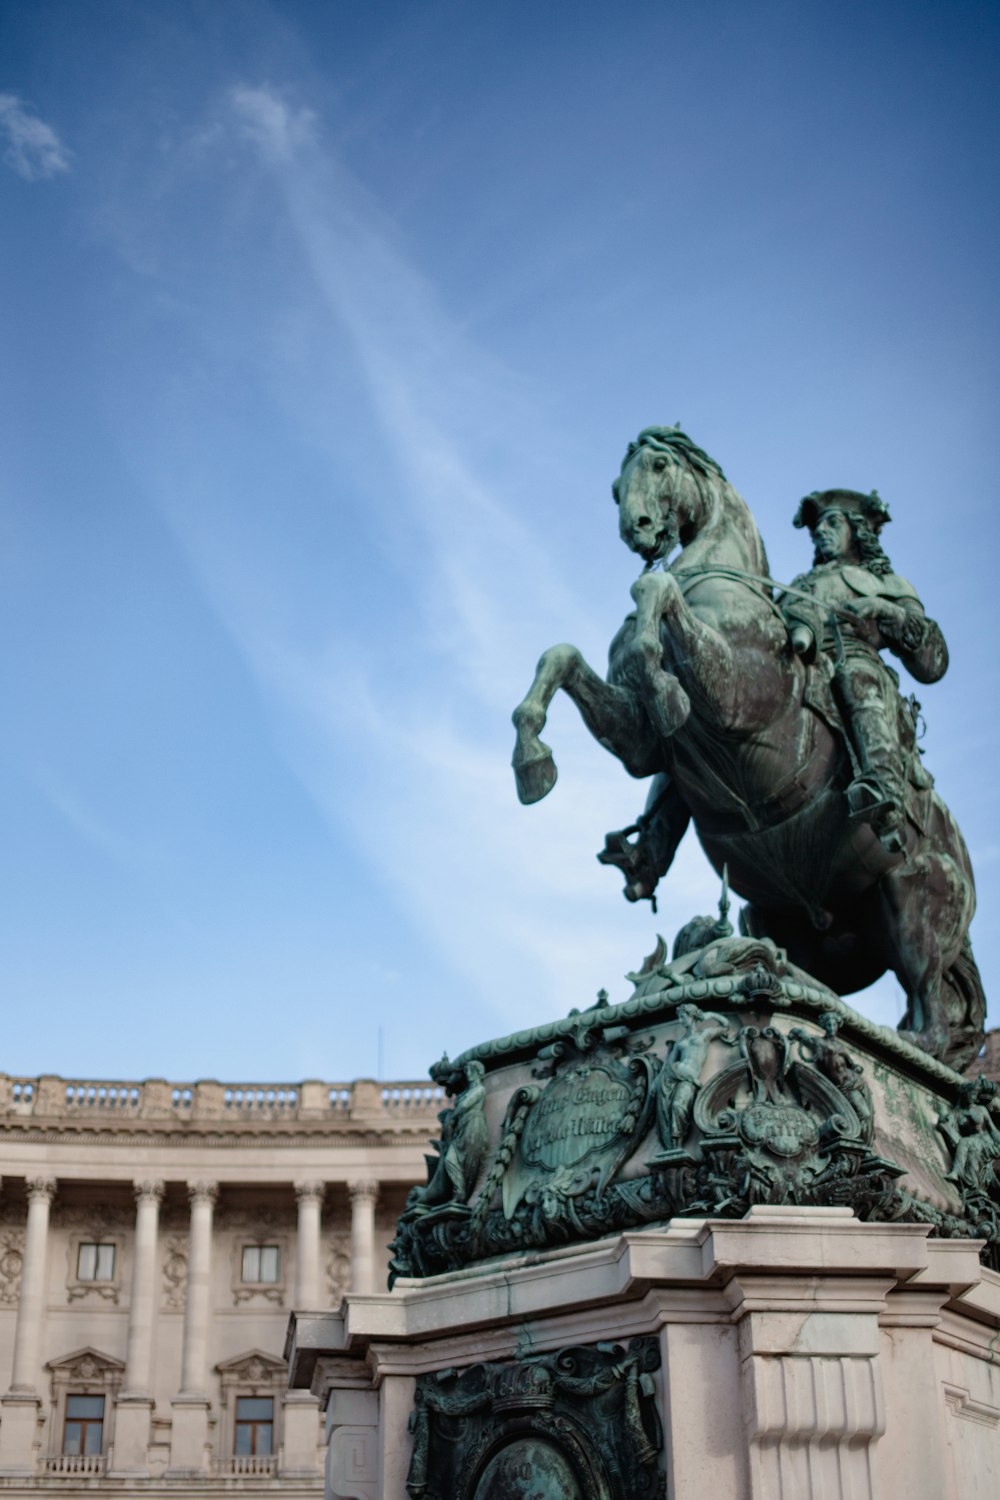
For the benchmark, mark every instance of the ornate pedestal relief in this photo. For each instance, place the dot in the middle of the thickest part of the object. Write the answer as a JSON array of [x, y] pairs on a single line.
[[579, 1424]]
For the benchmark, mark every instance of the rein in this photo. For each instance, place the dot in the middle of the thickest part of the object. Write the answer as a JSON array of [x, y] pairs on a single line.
[[757, 582], [718, 570]]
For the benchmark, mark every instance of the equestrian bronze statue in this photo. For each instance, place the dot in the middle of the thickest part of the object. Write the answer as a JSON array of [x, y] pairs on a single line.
[[768, 716]]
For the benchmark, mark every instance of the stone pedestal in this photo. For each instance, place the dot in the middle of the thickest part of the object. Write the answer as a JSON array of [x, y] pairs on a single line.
[[724, 1239], [299, 1441], [188, 1436], [18, 1432], [791, 1352], [130, 1452]]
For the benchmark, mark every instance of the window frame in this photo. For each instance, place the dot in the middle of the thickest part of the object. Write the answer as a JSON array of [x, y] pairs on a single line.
[[254, 1424], [97, 1246], [85, 1372], [257, 1374], [269, 1291], [260, 1250], [108, 1289], [85, 1424]]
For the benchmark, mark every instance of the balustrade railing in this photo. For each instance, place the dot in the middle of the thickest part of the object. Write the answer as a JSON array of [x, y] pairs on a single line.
[[207, 1100], [412, 1098], [247, 1465], [72, 1465], [120, 1098]]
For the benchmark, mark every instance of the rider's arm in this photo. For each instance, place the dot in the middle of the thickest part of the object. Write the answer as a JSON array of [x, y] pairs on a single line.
[[916, 639], [803, 617], [894, 619]]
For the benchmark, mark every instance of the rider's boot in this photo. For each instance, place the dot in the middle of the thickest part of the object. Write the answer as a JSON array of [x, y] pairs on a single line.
[[877, 794]]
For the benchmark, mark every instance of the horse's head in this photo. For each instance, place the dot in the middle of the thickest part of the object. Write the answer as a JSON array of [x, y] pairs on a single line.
[[663, 491]]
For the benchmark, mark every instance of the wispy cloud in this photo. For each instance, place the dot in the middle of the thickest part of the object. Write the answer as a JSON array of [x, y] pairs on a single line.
[[87, 824], [441, 401], [277, 127], [415, 768], [31, 147]]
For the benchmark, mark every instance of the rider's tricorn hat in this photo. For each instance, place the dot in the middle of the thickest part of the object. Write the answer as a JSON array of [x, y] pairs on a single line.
[[872, 508]]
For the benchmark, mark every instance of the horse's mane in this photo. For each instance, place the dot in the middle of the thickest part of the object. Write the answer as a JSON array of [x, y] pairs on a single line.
[[678, 447], [703, 472]]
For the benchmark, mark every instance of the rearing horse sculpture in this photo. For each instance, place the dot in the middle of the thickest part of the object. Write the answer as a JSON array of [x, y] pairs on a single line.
[[705, 694]]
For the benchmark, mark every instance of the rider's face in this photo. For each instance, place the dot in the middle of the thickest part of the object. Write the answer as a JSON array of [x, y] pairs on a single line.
[[833, 536]]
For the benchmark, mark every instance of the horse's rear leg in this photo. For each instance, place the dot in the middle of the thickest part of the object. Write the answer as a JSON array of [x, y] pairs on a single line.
[[613, 715], [928, 907]]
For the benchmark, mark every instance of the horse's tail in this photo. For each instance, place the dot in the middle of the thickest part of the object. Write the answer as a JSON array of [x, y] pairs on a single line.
[[965, 1002]]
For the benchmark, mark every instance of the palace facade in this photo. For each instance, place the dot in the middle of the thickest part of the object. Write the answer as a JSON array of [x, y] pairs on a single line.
[[153, 1238]]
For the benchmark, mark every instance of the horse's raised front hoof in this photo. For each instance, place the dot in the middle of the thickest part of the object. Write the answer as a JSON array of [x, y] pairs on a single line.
[[535, 774]]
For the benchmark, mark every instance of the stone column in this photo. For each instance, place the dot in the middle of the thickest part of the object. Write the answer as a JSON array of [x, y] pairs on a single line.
[[28, 1333], [363, 1196], [307, 1244], [139, 1355], [190, 1407], [21, 1404], [194, 1358], [134, 1407]]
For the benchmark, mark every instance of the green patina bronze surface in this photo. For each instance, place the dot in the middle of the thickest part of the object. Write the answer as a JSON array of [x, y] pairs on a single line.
[[580, 1422], [734, 1075], [730, 1078], [768, 716]]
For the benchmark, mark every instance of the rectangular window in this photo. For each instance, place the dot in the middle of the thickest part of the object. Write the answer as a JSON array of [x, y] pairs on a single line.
[[254, 1425], [260, 1263], [95, 1263], [84, 1429]]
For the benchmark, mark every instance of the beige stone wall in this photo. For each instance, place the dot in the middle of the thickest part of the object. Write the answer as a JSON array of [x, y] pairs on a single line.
[[180, 1178]]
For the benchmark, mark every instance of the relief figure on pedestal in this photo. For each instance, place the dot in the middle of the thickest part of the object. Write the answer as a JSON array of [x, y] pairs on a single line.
[[833, 1059], [973, 1132], [462, 1145], [680, 1076]]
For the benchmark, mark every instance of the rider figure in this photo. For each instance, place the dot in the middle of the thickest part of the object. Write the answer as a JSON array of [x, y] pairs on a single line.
[[854, 607]]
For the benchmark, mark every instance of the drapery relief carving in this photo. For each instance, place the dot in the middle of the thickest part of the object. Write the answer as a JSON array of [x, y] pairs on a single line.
[[338, 1266], [175, 1268], [11, 1263]]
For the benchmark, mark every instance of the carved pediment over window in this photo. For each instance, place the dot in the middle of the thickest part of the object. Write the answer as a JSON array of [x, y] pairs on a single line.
[[253, 1373], [86, 1367], [254, 1368]]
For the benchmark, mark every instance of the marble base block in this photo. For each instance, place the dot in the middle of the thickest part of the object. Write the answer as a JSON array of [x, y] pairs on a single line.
[[793, 1352]]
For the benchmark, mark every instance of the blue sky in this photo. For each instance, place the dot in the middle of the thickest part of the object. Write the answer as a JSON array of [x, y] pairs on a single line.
[[325, 328]]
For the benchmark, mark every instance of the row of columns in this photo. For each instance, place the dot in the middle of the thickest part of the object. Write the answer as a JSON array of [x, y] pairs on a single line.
[[16, 1452]]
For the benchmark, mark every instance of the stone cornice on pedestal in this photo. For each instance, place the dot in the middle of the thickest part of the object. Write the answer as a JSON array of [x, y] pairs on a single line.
[[695, 1270], [797, 997]]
